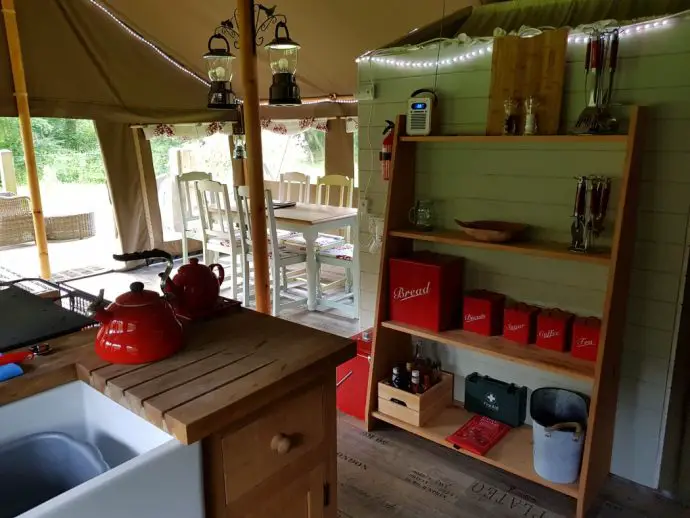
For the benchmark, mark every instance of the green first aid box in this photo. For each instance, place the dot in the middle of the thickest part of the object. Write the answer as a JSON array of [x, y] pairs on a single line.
[[504, 402]]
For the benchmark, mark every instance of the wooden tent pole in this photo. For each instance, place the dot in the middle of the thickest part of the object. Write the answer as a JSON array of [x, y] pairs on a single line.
[[255, 169], [10, 16]]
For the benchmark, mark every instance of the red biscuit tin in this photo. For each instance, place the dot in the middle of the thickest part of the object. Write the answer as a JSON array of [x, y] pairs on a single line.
[[483, 312]]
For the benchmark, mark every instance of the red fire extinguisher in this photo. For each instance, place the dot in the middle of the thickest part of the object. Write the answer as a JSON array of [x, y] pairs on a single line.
[[386, 153]]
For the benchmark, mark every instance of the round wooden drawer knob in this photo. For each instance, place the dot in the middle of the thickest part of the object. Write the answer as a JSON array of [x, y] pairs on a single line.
[[281, 444]]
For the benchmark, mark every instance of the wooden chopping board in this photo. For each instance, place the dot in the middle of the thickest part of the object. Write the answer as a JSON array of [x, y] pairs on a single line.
[[523, 67]]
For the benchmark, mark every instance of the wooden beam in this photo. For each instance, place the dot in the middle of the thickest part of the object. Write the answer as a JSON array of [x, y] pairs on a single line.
[[596, 461], [20, 93], [255, 169]]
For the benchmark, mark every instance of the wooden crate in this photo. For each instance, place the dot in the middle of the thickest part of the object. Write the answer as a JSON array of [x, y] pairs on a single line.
[[522, 67], [416, 409]]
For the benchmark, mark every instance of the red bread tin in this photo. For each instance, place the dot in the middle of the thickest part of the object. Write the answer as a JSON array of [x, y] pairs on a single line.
[[585, 342], [553, 329], [520, 323], [352, 378], [483, 312], [425, 290]]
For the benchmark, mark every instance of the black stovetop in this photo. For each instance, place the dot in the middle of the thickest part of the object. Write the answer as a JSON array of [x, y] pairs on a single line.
[[26, 319]]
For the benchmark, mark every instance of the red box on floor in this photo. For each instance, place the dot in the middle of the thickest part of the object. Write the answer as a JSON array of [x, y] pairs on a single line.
[[554, 329], [520, 323], [585, 343], [352, 378], [426, 290], [483, 312]]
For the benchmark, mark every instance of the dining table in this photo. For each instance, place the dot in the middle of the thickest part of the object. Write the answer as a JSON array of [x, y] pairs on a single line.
[[309, 219]]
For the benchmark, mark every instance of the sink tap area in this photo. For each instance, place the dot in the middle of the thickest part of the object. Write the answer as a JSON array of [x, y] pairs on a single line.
[[70, 452]]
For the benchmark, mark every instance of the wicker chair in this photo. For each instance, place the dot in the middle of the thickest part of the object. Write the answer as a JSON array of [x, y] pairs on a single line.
[[16, 224]]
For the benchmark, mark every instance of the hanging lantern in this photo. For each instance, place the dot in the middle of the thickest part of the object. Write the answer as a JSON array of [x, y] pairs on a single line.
[[219, 66], [282, 56]]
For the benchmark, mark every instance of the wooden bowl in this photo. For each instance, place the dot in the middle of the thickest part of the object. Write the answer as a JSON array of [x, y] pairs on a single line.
[[492, 231]]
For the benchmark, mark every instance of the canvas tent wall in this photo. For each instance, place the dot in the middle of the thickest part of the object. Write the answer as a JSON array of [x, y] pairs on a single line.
[[81, 64], [332, 34], [481, 21]]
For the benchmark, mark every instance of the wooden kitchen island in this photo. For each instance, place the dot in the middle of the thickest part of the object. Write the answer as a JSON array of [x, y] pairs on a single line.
[[257, 391]]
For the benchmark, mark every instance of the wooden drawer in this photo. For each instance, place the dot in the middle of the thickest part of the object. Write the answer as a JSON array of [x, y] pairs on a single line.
[[416, 409], [281, 434]]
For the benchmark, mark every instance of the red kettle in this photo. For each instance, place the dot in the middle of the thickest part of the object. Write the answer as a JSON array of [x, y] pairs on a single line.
[[140, 326], [195, 288]]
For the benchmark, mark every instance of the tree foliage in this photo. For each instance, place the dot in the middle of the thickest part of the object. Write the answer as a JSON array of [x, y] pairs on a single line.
[[65, 148]]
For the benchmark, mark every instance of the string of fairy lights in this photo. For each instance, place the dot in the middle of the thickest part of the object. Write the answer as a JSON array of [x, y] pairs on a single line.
[[480, 49]]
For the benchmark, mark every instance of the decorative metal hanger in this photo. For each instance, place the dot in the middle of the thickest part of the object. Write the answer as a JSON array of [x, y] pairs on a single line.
[[264, 17]]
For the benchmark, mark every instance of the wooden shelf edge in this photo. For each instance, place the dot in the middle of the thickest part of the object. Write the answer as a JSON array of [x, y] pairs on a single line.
[[519, 139], [550, 250], [496, 346], [426, 432]]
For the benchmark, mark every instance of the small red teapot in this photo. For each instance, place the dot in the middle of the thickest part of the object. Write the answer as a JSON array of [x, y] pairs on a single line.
[[140, 326], [195, 288]]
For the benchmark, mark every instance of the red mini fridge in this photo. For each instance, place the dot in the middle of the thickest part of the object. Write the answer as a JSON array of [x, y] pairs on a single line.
[[352, 378]]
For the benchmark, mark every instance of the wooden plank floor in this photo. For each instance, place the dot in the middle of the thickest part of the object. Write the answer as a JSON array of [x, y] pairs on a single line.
[[392, 473]]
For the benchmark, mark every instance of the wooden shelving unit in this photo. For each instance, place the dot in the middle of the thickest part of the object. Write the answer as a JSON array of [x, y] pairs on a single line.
[[392, 339], [502, 139], [552, 250], [561, 363]]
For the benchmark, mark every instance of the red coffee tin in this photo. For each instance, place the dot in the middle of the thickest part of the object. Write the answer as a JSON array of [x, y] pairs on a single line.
[[554, 328]]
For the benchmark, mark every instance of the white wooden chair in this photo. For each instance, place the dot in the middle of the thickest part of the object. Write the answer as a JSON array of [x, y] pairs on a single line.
[[279, 256], [189, 210], [341, 255], [302, 185], [345, 257], [345, 197], [219, 235]]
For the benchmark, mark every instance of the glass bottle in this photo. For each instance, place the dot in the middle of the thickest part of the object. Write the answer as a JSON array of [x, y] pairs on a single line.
[[510, 122], [415, 383], [531, 127]]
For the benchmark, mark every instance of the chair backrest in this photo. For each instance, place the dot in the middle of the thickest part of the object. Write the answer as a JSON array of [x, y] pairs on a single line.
[[300, 181], [12, 206], [187, 195], [243, 202], [323, 189], [215, 210]]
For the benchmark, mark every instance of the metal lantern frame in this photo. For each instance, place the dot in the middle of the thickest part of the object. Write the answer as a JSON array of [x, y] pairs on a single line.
[[284, 90], [222, 89]]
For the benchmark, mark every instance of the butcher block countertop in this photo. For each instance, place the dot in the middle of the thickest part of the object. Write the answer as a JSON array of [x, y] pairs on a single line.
[[229, 367]]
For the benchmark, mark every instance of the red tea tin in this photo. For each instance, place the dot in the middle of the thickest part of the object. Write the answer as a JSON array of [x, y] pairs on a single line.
[[585, 343]]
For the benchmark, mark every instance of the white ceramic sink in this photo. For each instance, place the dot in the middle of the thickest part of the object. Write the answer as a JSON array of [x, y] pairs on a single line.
[[152, 474]]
